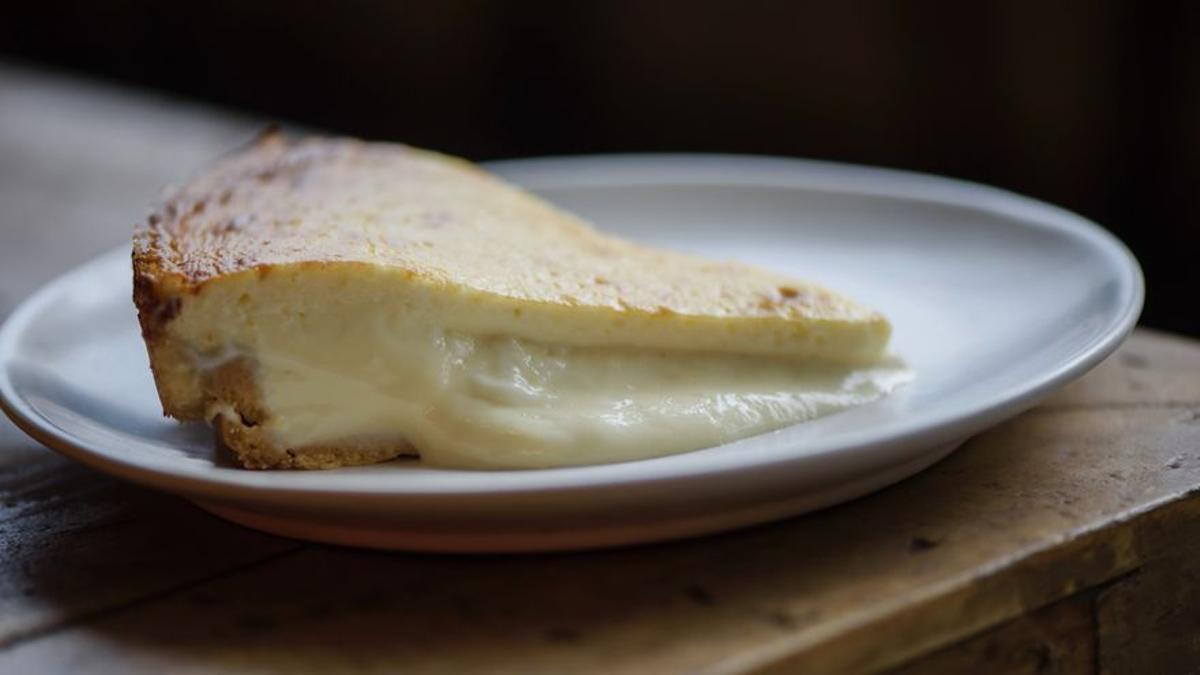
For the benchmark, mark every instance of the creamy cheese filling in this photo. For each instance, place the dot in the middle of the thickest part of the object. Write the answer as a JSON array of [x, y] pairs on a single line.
[[498, 402]]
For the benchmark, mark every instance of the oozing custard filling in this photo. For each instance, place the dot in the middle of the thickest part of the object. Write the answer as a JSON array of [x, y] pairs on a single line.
[[498, 402], [470, 386]]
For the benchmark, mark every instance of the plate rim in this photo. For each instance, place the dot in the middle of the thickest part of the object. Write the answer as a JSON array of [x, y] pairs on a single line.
[[687, 169]]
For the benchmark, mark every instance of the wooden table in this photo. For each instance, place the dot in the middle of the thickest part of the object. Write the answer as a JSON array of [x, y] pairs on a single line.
[[1067, 540]]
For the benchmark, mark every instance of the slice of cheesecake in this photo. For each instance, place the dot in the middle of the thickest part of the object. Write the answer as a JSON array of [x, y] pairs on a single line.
[[334, 302]]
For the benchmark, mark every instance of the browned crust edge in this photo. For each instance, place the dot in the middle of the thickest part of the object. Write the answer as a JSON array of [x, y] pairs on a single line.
[[228, 397]]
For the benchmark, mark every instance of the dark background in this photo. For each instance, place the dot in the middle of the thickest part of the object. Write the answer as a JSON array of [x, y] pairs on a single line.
[[1094, 106]]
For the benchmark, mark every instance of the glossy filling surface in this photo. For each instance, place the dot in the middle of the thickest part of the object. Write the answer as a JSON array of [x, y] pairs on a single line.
[[498, 402]]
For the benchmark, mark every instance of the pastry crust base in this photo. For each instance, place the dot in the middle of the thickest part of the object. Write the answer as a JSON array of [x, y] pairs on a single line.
[[234, 408]]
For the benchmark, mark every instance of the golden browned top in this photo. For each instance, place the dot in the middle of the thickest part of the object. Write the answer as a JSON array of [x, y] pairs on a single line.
[[439, 219]]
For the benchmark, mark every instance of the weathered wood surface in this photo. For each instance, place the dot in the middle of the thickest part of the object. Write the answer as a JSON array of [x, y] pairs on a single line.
[[1067, 540]]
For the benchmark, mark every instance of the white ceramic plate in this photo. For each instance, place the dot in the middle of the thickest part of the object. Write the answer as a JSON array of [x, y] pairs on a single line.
[[996, 300]]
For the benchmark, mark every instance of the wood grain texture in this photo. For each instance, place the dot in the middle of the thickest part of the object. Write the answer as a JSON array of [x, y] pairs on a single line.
[[1056, 640], [74, 544], [1082, 506], [1150, 622]]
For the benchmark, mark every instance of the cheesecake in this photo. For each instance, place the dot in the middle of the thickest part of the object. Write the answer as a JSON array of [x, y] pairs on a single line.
[[333, 302]]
